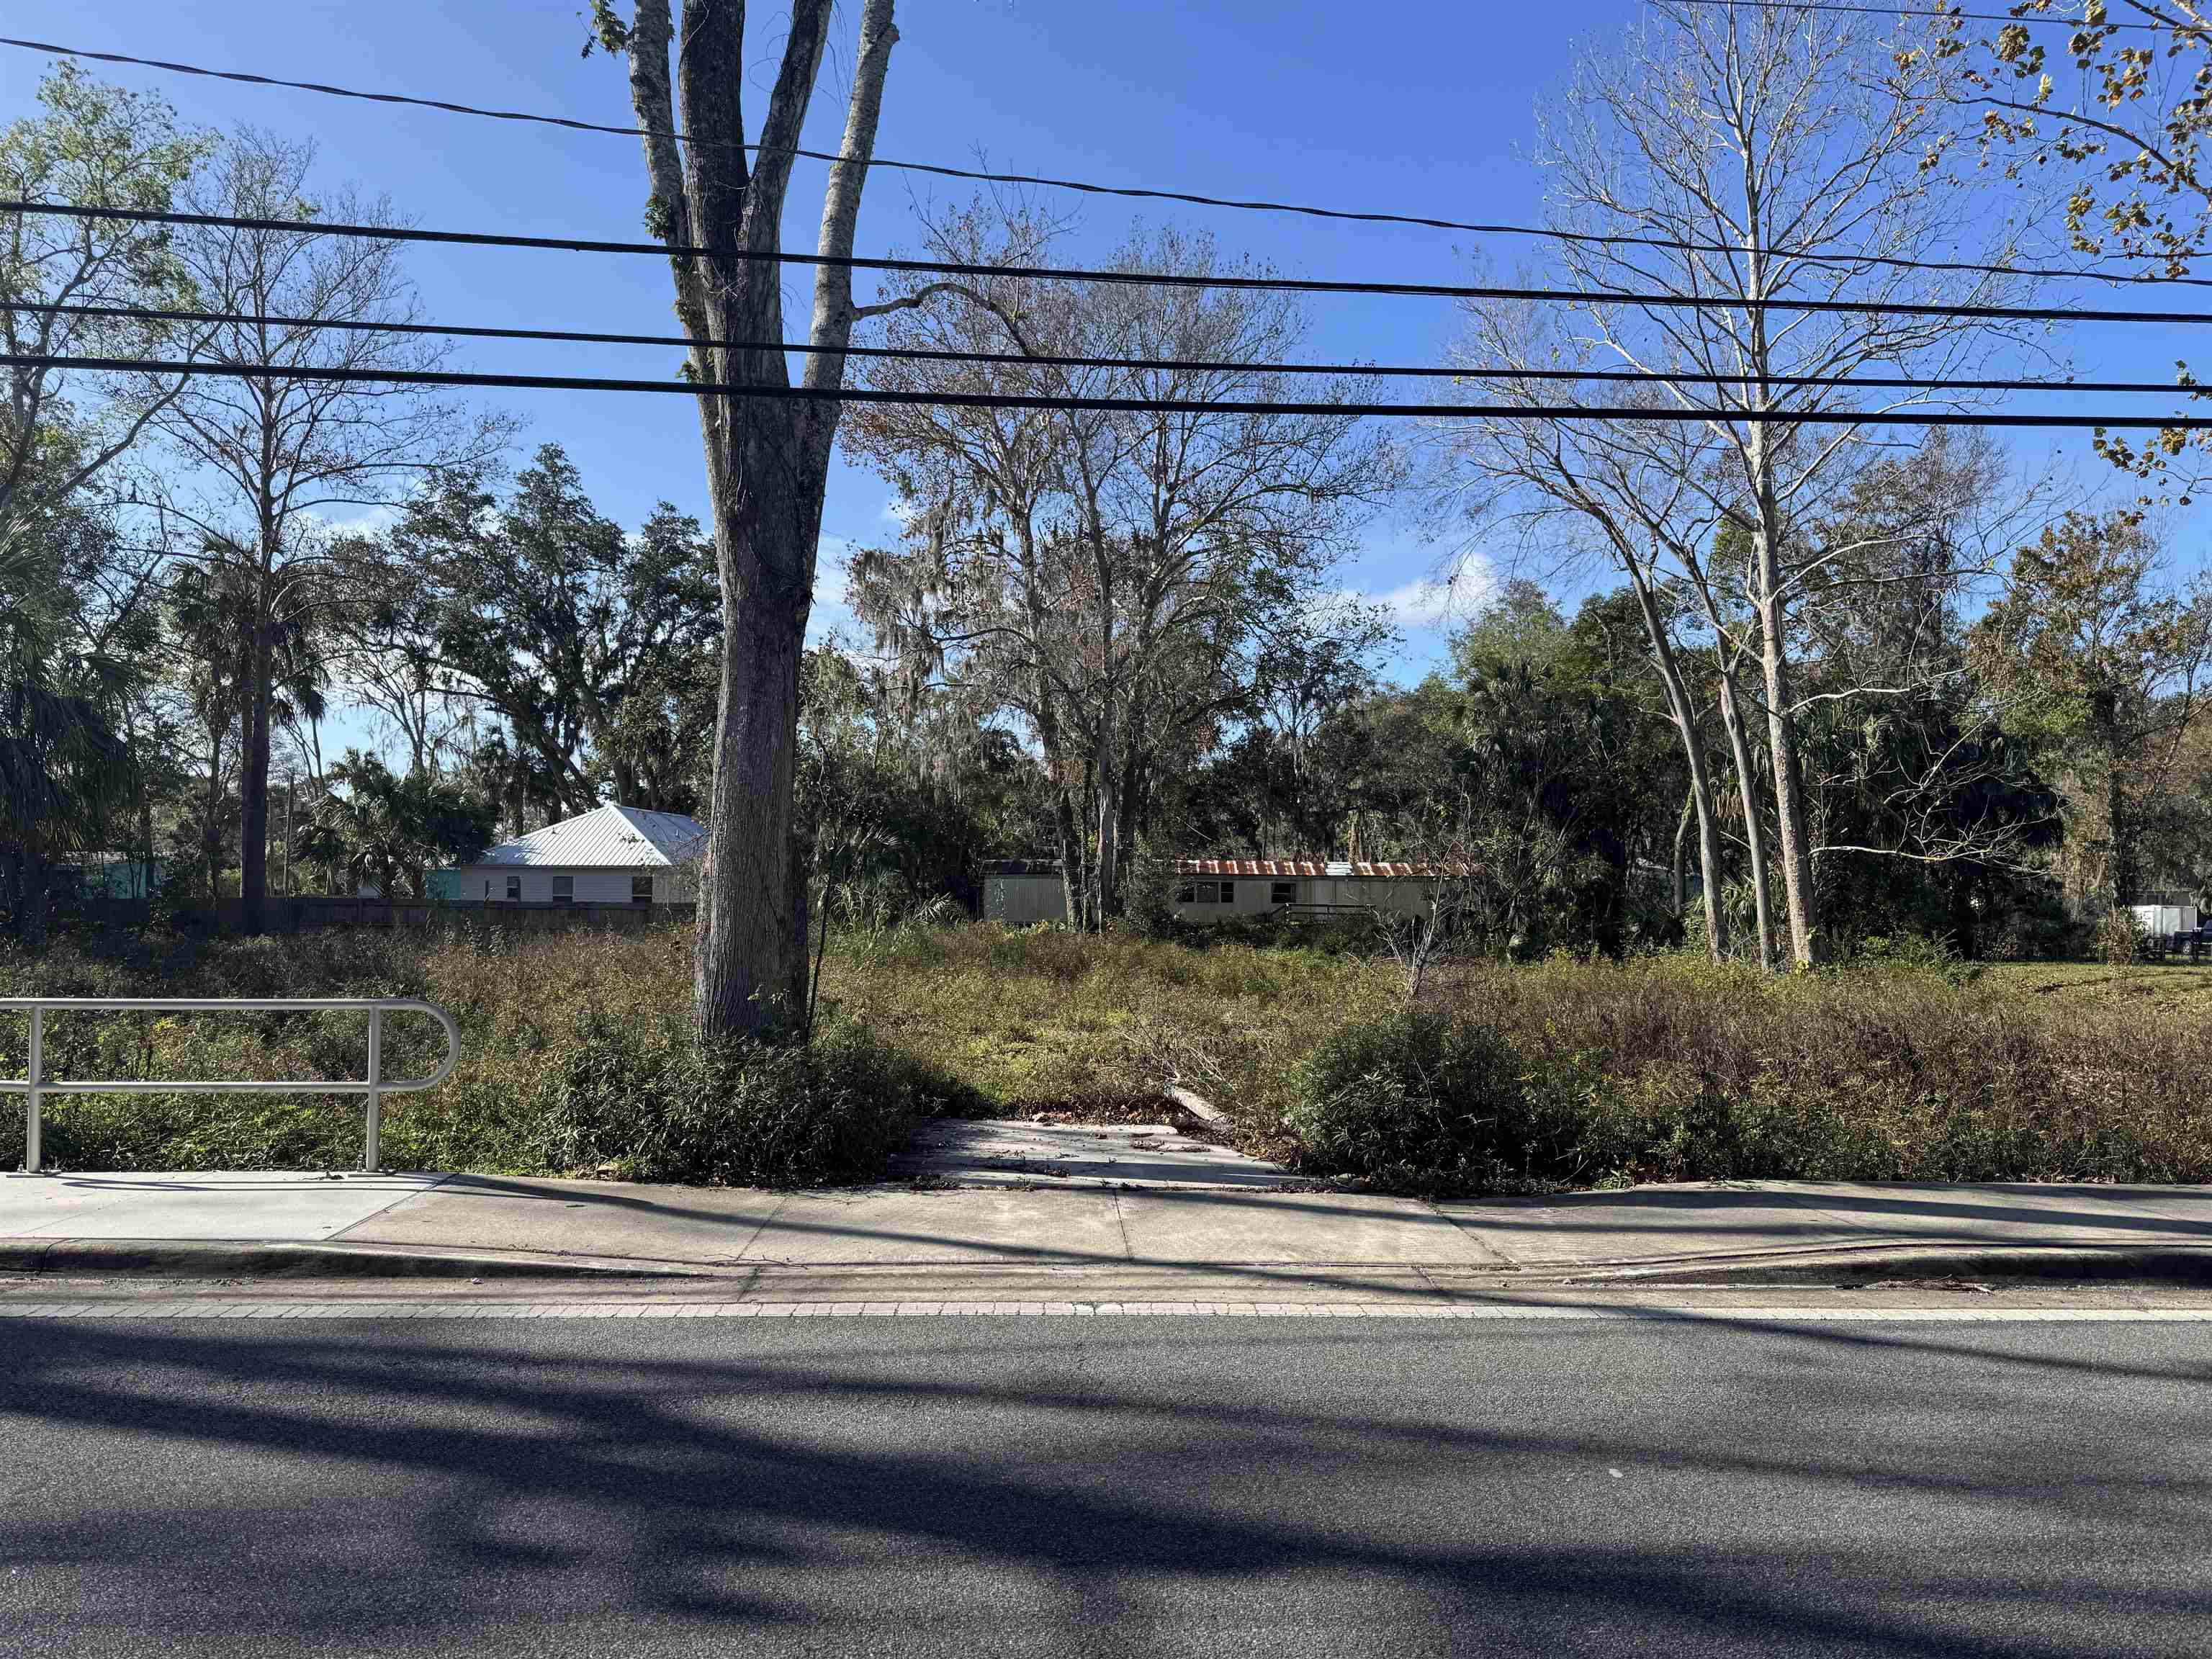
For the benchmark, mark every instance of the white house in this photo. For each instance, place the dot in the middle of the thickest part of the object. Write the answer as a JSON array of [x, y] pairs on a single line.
[[1018, 891], [611, 855]]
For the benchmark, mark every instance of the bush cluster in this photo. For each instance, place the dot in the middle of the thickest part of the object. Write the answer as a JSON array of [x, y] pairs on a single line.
[[658, 1105], [577, 1054], [1665, 1069]]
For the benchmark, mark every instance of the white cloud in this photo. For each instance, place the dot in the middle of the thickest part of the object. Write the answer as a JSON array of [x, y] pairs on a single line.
[[356, 521], [1431, 601]]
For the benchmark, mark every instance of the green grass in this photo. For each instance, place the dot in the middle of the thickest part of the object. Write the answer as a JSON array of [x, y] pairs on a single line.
[[2160, 982], [576, 1054], [1045, 1019]]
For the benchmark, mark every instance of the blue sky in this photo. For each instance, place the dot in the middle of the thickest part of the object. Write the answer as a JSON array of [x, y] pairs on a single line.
[[1420, 107]]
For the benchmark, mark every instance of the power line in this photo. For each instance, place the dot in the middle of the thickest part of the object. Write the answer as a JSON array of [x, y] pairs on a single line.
[[1131, 405], [1595, 239], [921, 354], [1135, 278], [1943, 14]]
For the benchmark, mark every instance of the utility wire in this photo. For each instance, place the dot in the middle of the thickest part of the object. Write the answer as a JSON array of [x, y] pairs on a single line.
[[921, 354], [1135, 278], [1133, 406], [1940, 15], [1595, 239]]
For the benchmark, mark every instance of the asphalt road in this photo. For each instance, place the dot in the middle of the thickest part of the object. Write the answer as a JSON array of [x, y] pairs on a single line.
[[980, 1487]]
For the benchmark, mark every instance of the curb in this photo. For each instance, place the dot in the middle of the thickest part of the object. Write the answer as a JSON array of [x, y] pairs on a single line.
[[2172, 1264], [2188, 1265], [231, 1258]]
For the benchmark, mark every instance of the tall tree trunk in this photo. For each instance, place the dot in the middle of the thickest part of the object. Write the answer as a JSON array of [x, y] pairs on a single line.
[[1108, 762], [253, 776], [2122, 864], [1086, 841], [1108, 826], [750, 969], [766, 462], [1791, 836], [145, 843], [1680, 872], [211, 823], [1134, 790], [1693, 753], [1067, 837], [1791, 832], [1754, 820], [1070, 853], [1730, 702]]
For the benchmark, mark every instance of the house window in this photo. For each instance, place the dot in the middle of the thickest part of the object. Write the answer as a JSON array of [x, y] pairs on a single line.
[[564, 889], [1283, 892], [641, 889], [1209, 892], [1185, 894], [1229, 892], [514, 889]]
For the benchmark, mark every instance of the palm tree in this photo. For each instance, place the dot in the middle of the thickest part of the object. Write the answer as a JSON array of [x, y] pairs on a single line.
[[64, 770], [212, 607]]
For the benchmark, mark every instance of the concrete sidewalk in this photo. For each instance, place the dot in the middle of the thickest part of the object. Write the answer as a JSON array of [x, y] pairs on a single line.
[[481, 1224]]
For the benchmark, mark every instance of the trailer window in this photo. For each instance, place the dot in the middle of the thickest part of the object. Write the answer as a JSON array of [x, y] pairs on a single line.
[[1209, 892], [1283, 892]]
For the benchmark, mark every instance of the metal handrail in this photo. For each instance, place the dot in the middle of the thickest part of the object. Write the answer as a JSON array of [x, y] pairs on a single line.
[[375, 1086]]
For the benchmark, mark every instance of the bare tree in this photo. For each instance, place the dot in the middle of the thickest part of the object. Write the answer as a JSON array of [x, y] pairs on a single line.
[[1630, 495], [767, 459], [1111, 566], [273, 458], [984, 486], [384, 643], [1772, 155]]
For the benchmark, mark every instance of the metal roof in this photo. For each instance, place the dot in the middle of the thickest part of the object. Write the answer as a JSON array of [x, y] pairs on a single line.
[[606, 837], [1295, 867], [1280, 868]]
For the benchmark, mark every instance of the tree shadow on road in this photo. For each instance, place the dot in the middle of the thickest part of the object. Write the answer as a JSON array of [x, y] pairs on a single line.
[[924, 1486]]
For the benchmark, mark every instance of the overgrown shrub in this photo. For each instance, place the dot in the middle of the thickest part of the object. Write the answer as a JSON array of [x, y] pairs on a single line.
[[658, 1105], [1418, 1100], [1573, 1073], [2119, 937], [1915, 952], [576, 1053]]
